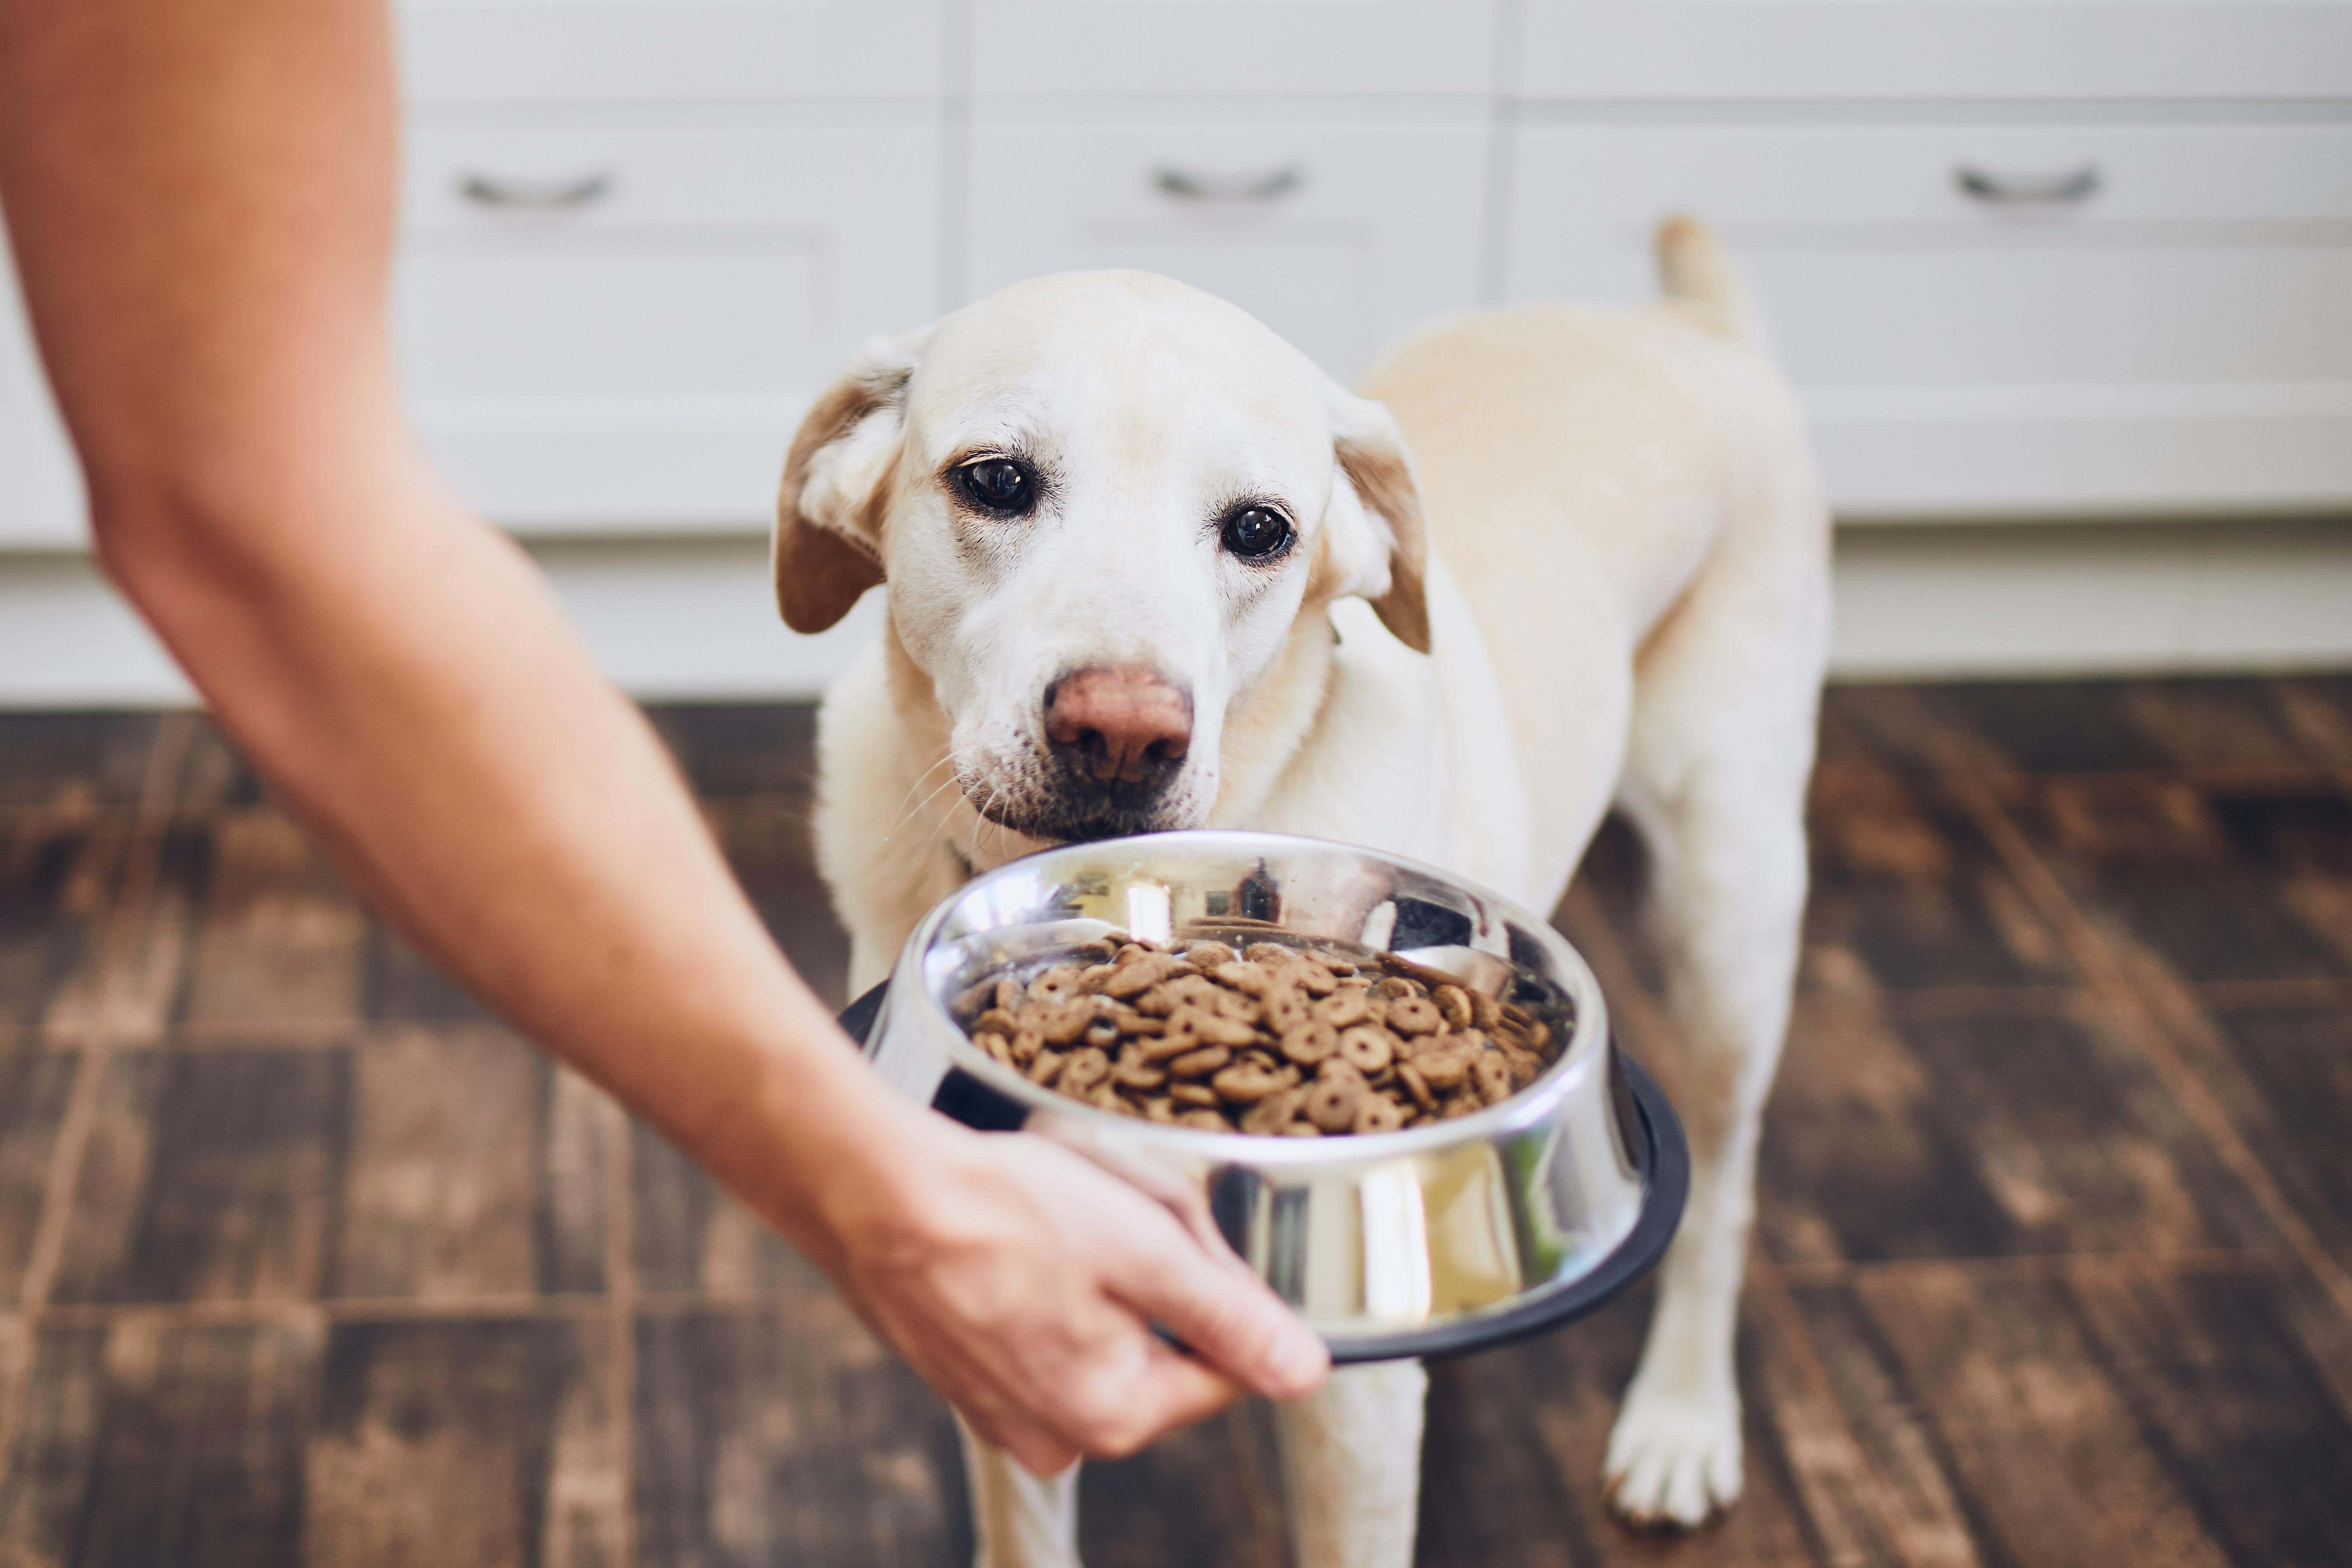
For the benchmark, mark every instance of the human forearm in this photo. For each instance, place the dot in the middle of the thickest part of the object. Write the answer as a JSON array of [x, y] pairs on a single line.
[[403, 678]]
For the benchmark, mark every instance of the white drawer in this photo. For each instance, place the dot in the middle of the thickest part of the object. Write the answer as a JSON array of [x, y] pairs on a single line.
[[1082, 46], [1351, 235], [633, 349], [40, 484], [2176, 339], [476, 51], [1950, 48]]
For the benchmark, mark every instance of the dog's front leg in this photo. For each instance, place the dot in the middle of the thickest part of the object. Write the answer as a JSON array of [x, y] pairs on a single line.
[[1351, 1463], [1017, 1520]]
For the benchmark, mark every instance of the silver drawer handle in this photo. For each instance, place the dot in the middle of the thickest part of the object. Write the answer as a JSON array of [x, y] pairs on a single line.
[[1187, 185], [536, 196], [2019, 190]]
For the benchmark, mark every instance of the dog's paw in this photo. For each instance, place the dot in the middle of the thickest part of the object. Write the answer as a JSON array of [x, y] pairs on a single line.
[[1673, 1461]]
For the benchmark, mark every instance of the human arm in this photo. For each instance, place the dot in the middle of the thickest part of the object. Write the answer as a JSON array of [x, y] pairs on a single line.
[[200, 194]]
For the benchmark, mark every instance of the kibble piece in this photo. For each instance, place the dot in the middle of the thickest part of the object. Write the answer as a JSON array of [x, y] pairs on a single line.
[[1136, 1071], [1218, 1029], [1240, 975], [1246, 1083], [1285, 1008], [1275, 1112], [1133, 977], [1367, 1049], [1192, 1094], [1310, 1044], [1102, 1034], [996, 1020], [1200, 1063], [1331, 1104], [1206, 955], [995, 1044], [1416, 1085], [1445, 1070], [1159, 1107], [1491, 1075], [1084, 1068], [1344, 1008], [1377, 1114], [1059, 984], [1206, 1120], [1454, 1002], [1045, 1068], [1414, 1016]]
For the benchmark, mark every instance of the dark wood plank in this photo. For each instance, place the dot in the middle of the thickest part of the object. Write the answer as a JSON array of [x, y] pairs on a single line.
[[34, 1088], [768, 847], [74, 761], [2203, 879], [58, 887], [1512, 1466], [464, 1444], [691, 1238], [279, 945], [767, 1437], [2064, 1408], [1985, 1135], [1212, 1493], [401, 986], [210, 1175], [2227, 1393], [2298, 1060], [1906, 893], [468, 1174], [739, 749], [155, 1442]]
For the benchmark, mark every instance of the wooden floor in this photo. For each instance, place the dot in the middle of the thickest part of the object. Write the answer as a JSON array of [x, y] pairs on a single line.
[[303, 1260]]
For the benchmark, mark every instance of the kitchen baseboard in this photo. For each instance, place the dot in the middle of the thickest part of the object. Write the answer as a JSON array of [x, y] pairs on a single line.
[[693, 617]]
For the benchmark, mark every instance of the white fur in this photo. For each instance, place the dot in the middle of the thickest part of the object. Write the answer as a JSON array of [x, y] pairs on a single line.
[[1628, 601]]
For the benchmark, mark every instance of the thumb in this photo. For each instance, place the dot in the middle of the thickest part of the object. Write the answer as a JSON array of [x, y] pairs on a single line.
[[1222, 1312]]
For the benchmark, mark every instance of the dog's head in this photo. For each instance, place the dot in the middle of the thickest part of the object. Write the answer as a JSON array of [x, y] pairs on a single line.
[[1102, 502]]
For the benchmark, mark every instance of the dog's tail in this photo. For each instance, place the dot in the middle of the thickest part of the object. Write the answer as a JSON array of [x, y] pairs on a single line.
[[1695, 269]]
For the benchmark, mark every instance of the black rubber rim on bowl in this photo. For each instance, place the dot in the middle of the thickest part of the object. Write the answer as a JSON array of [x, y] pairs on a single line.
[[1661, 1154]]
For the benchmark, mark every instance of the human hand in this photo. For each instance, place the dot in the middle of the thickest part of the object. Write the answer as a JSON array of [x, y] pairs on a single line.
[[1022, 1282]]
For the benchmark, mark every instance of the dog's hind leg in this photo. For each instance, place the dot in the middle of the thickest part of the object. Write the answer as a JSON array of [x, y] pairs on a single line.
[[1017, 1520], [1351, 1465], [1720, 753]]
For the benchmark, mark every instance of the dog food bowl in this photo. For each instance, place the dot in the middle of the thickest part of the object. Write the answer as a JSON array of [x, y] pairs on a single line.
[[1436, 1239]]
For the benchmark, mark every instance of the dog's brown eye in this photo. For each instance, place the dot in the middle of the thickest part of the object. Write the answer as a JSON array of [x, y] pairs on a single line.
[[997, 484], [1255, 532]]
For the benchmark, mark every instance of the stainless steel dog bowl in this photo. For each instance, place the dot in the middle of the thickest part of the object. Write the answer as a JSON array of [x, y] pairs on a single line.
[[1431, 1240]]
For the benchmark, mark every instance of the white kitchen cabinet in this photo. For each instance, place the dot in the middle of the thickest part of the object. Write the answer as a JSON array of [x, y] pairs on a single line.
[[2005, 318], [40, 486], [456, 52], [618, 329], [1877, 50], [1079, 48], [1337, 237]]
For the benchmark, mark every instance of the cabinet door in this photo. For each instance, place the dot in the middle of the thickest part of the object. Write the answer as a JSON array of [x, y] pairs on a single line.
[[1336, 238], [40, 484], [2007, 319], [1950, 48], [508, 51], [1080, 47], [617, 329]]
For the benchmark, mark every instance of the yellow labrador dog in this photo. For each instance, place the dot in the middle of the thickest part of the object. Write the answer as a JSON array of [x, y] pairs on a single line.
[[1149, 568]]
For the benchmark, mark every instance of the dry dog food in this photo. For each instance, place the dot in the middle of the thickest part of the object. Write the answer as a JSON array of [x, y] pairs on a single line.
[[1302, 1042]]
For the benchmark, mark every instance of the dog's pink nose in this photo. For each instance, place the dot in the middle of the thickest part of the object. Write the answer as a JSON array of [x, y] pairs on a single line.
[[1118, 726]]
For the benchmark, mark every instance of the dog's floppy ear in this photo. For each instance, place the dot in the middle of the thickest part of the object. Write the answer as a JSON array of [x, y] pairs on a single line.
[[828, 544], [1377, 544]]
